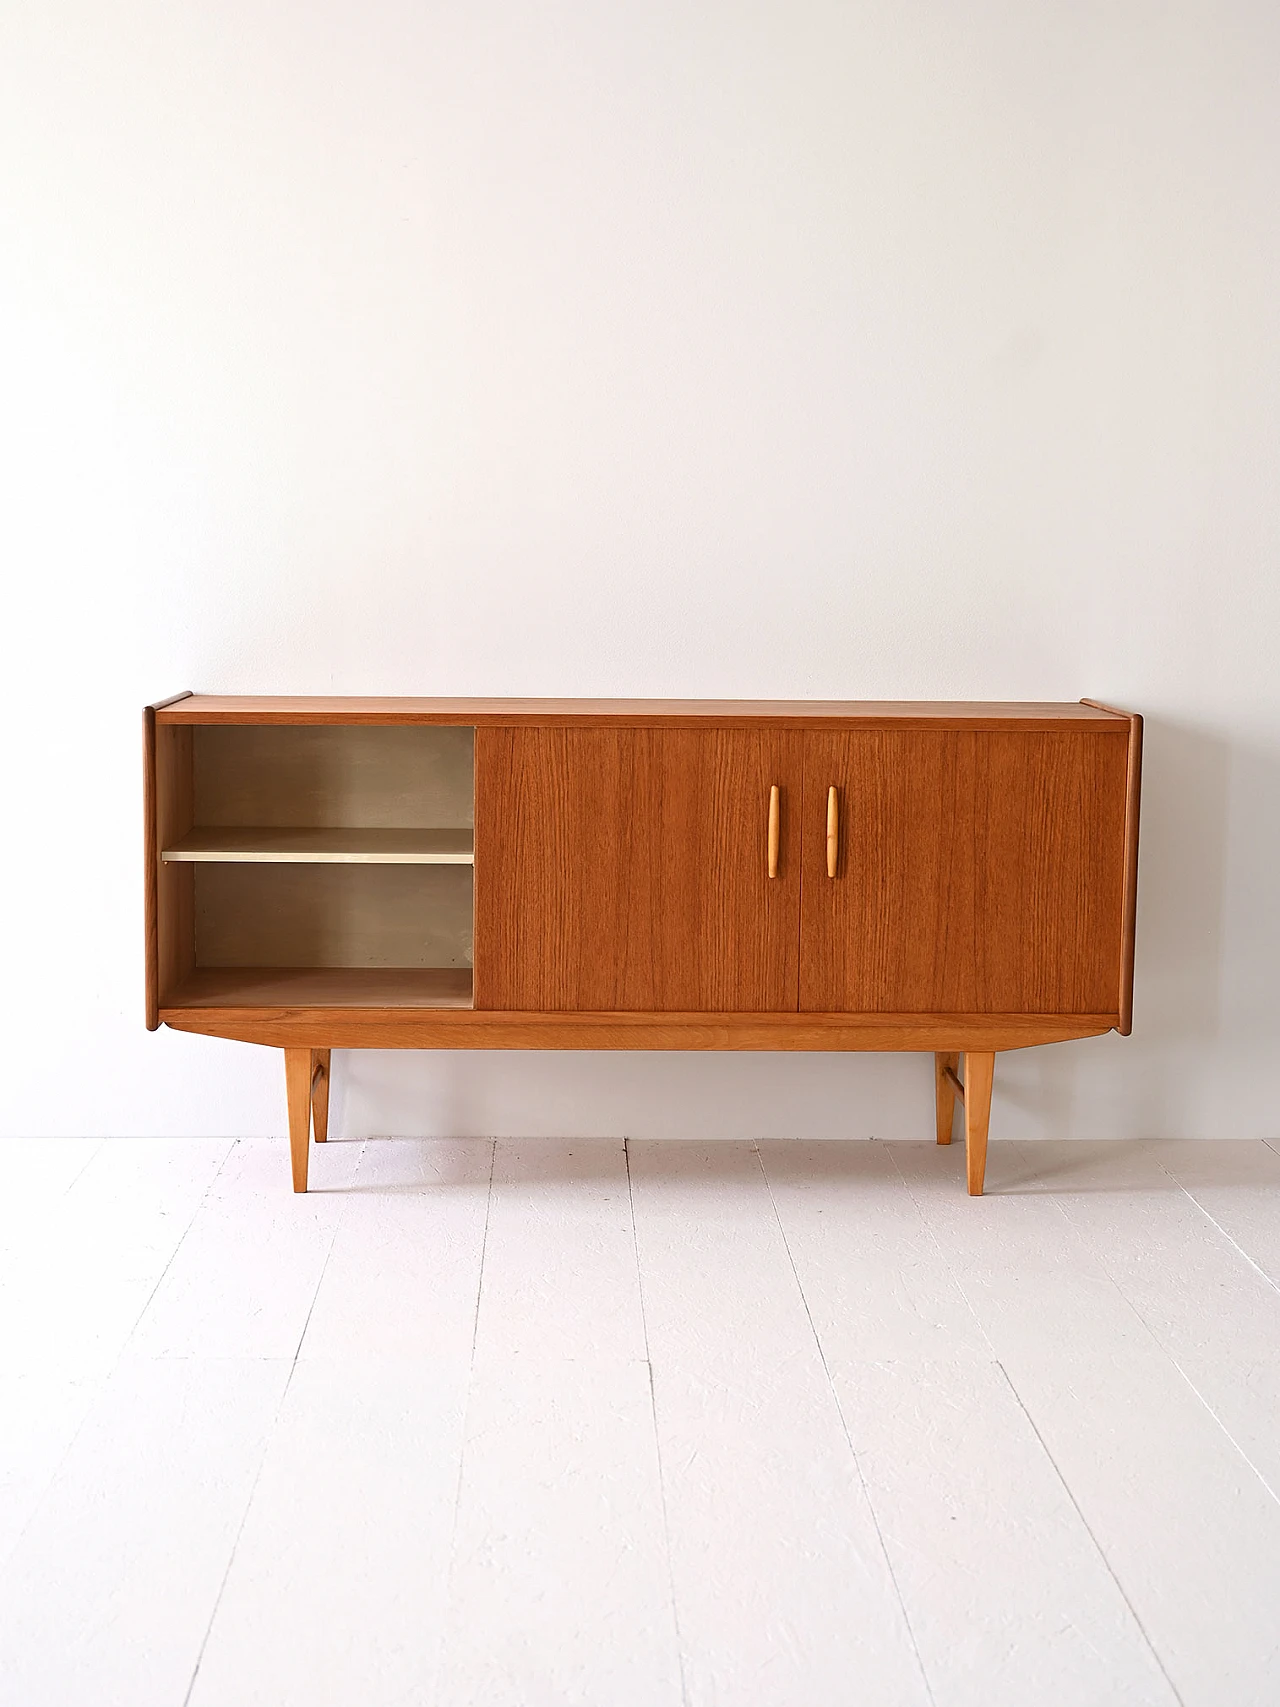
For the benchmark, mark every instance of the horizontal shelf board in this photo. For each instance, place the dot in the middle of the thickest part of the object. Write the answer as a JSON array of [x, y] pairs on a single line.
[[251, 846], [275, 987]]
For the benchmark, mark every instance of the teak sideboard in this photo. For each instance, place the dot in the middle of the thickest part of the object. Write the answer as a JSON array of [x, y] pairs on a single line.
[[613, 874]]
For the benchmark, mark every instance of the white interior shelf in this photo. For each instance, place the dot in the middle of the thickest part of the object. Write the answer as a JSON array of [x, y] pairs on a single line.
[[275, 846]]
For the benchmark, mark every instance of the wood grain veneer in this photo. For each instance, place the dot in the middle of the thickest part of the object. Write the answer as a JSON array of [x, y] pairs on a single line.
[[976, 873], [709, 875], [401, 1026], [297, 1079], [946, 1065], [1129, 911], [979, 1073], [168, 892], [158, 944], [603, 713], [627, 869], [320, 1081]]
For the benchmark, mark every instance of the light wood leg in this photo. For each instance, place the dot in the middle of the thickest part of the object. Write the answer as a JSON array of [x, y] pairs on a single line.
[[979, 1071], [945, 1094], [297, 1080], [320, 1093]]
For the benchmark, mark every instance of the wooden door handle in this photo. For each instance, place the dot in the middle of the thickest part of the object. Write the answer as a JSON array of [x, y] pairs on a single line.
[[833, 830], [775, 828]]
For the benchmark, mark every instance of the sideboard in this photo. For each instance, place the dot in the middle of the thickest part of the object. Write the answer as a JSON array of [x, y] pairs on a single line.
[[640, 874]]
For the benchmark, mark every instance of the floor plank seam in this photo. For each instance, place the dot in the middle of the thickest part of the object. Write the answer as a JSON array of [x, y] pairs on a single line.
[[844, 1425], [959, 1281], [657, 1441], [1099, 1260], [173, 1255], [1088, 1529], [87, 1164], [447, 1599], [1218, 1227], [1235, 1444], [104, 1378], [1172, 1356], [328, 1253], [929, 1232], [267, 1438]]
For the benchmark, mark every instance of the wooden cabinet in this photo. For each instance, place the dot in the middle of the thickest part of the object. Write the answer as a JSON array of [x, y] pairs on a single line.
[[324, 874], [626, 870]]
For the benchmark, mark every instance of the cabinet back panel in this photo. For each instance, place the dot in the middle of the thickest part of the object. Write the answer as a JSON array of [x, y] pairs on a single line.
[[343, 775], [978, 873], [333, 915]]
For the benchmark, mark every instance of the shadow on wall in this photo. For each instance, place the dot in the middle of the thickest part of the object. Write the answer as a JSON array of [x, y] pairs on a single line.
[[645, 1094], [1206, 995]]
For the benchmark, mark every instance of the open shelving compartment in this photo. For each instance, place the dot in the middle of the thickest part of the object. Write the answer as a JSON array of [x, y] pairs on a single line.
[[316, 865]]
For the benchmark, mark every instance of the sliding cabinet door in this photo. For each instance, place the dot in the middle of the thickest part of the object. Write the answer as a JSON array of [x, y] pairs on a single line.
[[626, 869], [975, 871]]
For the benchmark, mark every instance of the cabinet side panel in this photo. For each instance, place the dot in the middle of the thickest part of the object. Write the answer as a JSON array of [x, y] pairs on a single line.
[[150, 873], [174, 883], [1130, 921]]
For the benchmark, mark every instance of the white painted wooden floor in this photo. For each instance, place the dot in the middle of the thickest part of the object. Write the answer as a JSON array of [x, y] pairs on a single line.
[[567, 1423]]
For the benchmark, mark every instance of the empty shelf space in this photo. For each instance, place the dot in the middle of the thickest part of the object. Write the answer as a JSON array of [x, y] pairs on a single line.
[[324, 986], [242, 845]]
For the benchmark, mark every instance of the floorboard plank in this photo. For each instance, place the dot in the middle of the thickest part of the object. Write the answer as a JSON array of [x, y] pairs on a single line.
[[403, 1272], [244, 1281], [560, 1582], [336, 1591], [80, 1269], [41, 1413], [873, 1278], [1008, 1597], [560, 1589], [1237, 1183], [1192, 1535], [692, 1424], [560, 1275], [783, 1590], [1204, 1300], [108, 1594]]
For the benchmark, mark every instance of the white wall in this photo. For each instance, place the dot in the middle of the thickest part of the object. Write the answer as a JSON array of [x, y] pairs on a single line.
[[773, 349]]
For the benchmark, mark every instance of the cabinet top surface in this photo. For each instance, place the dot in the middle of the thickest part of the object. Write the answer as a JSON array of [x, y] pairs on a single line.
[[253, 708]]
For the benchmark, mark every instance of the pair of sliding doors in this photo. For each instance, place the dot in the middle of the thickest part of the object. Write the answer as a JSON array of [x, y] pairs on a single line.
[[626, 869]]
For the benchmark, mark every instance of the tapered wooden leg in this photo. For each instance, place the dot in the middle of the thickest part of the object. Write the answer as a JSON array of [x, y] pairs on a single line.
[[945, 1094], [320, 1093], [297, 1080], [979, 1071]]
